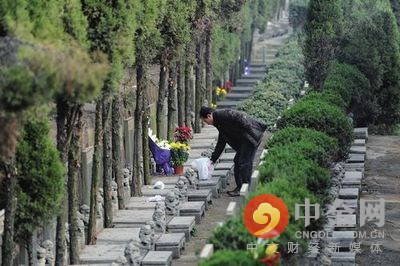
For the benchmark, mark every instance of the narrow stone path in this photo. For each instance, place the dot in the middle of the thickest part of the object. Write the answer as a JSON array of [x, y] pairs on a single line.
[[382, 180]]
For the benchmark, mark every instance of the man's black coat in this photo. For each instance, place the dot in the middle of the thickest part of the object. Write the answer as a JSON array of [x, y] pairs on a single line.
[[235, 127]]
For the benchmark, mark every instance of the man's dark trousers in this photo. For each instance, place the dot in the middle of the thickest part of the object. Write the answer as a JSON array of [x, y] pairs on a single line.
[[244, 163]]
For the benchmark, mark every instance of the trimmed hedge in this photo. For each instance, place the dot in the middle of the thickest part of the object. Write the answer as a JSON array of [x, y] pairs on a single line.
[[232, 235], [282, 163], [323, 117], [291, 194], [266, 106], [230, 258], [295, 134], [328, 97]]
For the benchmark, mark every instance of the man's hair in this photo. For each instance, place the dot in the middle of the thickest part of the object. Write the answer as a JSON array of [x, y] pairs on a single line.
[[204, 111]]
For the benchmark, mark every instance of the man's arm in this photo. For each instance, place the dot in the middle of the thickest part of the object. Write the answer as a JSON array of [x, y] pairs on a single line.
[[219, 148]]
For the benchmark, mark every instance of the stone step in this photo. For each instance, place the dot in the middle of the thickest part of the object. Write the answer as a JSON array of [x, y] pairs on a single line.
[[356, 158], [200, 145], [257, 70], [253, 76], [205, 136], [246, 82], [237, 96], [353, 175], [252, 65], [245, 90], [360, 133], [359, 142], [227, 104], [132, 218], [153, 258], [174, 242], [182, 225], [358, 149]]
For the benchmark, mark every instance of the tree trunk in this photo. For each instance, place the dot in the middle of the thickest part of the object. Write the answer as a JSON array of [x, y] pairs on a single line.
[[73, 173], [91, 238], [107, 163], [8, 169], [63, 112], [172, 109], [145, 142], [116, 150], [162, 93], [209, 72], [141, 76], [199, 86], [188, 94], [181, 92], [29, 249]]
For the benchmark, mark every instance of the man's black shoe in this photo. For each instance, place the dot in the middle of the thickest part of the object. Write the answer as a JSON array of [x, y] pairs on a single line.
[[234, 193]]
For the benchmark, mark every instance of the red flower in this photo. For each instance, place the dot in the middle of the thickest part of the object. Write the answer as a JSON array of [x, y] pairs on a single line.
[[183, 134], [271, 260]]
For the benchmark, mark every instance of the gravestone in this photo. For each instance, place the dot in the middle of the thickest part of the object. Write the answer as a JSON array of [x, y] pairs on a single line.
[[86, 180], [182, 225], [132, 218], [114, 236], [154, 258], [192, 208], [174, 242]]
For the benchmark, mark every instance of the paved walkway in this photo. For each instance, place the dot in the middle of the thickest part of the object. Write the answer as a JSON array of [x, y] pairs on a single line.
[[382, 180]]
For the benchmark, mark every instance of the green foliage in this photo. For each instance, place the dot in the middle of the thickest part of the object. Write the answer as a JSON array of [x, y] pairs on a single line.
[[326, 96], [297, 13], [282, 163], [40, 176], [295, 134], [323, 117], [75, 22], [232, 235], [264, 105], [323, 29], [226, 47], [291, 193], [230, 258], [372, 45], [355, 90]]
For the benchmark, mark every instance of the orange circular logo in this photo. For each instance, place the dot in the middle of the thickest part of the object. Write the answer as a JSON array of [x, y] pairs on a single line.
[[266, 216]]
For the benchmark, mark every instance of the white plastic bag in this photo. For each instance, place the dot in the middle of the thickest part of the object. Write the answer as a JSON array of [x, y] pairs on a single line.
[[202, 165]]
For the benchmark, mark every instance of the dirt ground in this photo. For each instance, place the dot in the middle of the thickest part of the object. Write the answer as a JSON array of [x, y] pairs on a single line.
[[382, 180]]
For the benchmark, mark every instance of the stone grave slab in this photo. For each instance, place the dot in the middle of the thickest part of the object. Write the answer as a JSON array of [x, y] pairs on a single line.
[[359, 142], [359, 167], [356, 158], [154, 258], [101, 254], [114, 236], [214, 184], [358, 149], [149, 191], [343, 259], [223, 166], [353, 175], [344, 222], [204, 195], [174, 242], [351, 183], [360, 133], [192, 208], [227, 157], [140, 203], [348, 193], [219, 173], [200, 145], [132, 218], [344, 238], [182, 225], [170, 180]]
